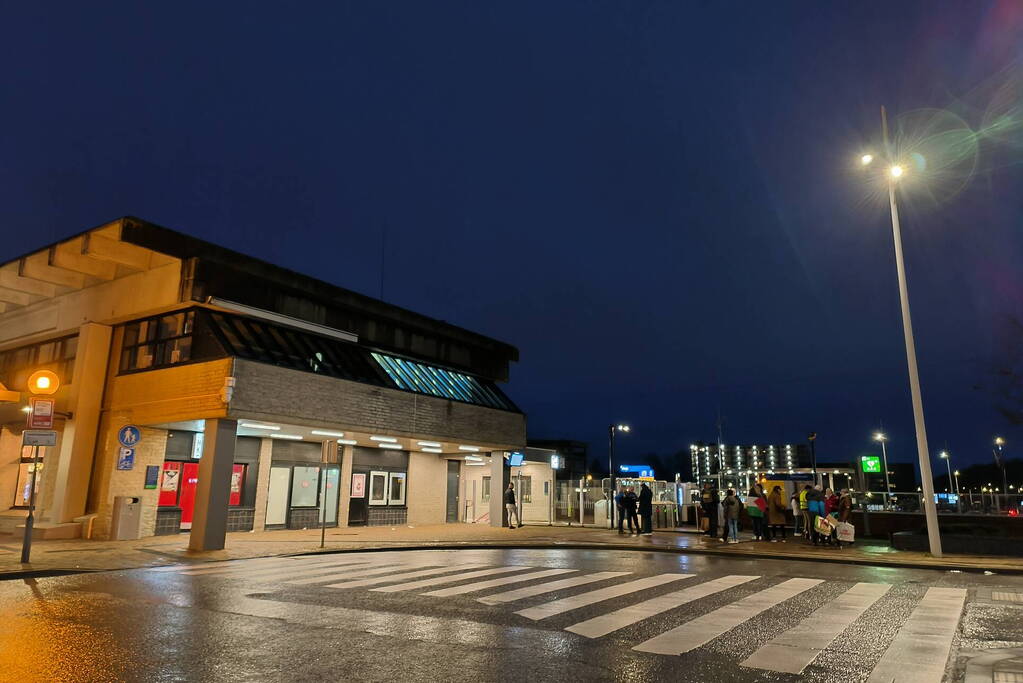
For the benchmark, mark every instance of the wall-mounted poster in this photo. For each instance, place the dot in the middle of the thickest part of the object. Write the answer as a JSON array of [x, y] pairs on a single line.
[[358, 486]]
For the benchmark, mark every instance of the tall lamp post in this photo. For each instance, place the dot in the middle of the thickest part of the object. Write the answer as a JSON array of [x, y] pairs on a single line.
[[999, 442], [879, 436], [894, 173], [948, 463], [612, 429]]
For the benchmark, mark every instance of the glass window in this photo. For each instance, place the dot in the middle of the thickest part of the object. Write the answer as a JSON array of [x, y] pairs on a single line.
[[525, 486], [426, 379], [157, 342], [378, 488], [396, 490], [305, 486], [486, 489]]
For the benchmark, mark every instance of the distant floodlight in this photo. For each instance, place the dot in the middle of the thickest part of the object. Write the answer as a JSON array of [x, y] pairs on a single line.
[[866, 159]]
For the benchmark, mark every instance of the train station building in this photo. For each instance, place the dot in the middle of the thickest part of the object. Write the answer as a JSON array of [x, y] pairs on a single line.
[[206, 391]]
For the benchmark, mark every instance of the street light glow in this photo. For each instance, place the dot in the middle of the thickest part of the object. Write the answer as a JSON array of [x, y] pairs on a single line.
[[999, 441], [943, 455], [895, 171], [866, 159], [878, 436]]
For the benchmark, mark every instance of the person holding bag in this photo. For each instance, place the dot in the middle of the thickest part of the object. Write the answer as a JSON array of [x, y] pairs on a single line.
[[756, 505], [776, 514]]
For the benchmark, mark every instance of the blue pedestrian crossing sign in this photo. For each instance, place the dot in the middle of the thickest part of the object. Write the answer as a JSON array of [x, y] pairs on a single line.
[[129, 436]]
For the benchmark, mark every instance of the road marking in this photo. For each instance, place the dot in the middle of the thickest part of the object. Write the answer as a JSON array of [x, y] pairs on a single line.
[[295, 565], [390, 578], [503, 581], [549, 609], [702, 630], [550, 587], [794, 649], [920, 651], [355, 573], [447, 579], [612, 621]]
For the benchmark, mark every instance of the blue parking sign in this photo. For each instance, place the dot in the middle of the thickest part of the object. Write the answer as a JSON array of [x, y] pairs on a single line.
[[126, 459], [129, 436]]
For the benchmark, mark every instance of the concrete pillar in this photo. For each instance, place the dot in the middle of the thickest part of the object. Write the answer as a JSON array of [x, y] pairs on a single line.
[[262, 483], [498, 483], [78, 440], [344, 455], [212, 493]]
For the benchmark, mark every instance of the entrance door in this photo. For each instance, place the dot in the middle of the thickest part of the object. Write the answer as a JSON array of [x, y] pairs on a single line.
[[453, 466], [277, 497], [329, 490], [189, 479]]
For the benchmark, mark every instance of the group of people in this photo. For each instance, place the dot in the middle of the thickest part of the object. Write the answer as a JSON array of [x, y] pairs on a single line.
[[767, 512], [628, 504]]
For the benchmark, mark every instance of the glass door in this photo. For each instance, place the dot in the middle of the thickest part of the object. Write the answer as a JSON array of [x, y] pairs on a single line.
[[330, 493]]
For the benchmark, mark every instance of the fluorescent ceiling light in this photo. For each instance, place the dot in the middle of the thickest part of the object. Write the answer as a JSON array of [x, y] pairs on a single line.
[[431, 444], [348, 442], [475, 464], [432, 450], [474, 449], [253, 425], [473, 458], [319, 432], [293, 437], [392, 446], [388, 439]]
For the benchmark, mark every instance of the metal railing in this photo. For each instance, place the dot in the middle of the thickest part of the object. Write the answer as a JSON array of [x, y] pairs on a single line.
[[984, 503]]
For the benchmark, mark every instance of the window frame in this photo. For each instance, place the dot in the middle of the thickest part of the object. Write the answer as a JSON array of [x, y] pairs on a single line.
[[128, 356]]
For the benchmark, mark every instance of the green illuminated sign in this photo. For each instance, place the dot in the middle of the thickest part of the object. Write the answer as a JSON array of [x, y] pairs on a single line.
[[870, 463]]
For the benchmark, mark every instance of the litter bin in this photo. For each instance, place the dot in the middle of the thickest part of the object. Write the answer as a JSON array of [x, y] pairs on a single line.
[[124, 526]]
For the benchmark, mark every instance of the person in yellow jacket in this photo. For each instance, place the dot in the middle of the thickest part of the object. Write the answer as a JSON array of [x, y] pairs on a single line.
[[804, 510]]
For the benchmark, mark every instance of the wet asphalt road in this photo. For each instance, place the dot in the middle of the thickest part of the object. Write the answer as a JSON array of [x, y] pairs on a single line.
[[249, 620]]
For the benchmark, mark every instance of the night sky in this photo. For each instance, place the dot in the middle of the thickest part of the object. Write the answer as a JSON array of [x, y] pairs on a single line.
[[657, 202]]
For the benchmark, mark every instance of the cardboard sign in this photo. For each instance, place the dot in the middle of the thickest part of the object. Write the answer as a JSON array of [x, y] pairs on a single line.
[[358, 486]]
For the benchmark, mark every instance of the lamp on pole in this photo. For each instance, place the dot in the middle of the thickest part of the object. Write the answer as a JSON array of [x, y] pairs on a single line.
[[948, 463], [956, 474], [879, 436], [611, 430], [894, 173], [999, 442]]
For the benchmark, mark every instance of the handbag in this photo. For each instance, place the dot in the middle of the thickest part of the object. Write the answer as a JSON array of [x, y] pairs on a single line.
[[846, 532], [822, 525]]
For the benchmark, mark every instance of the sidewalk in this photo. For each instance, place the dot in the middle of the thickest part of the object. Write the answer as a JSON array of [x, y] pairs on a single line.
[[80, 555]]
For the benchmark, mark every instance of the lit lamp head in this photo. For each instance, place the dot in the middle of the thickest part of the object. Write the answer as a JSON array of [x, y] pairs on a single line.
[[943, 455], [878, 436], [999, 441], [896, 171], [43, 382], [623, 428]]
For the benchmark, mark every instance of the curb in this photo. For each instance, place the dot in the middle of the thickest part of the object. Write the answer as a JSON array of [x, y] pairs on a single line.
[[571, 545], [576, 545]]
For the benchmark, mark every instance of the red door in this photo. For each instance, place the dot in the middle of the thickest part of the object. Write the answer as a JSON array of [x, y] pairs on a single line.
[[189, 478], [169, 484]]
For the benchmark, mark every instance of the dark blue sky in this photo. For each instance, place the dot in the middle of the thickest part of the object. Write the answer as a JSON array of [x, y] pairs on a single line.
[[653, 200]]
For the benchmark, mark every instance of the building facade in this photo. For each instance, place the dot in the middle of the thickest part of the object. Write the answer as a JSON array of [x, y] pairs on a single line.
[[228, 394]]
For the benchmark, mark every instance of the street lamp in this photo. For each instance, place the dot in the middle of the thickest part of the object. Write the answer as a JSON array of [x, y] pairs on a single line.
[[612, 429], [895, 173], [999, 442], [879, 436], [948, 463], [956, 473]]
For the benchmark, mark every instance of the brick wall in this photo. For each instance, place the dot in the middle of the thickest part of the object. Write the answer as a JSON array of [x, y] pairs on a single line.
[[426, 494], [272, 393], [149, 451]]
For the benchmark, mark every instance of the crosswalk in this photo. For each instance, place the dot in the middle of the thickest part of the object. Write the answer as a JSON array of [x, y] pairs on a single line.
[[569, 597]]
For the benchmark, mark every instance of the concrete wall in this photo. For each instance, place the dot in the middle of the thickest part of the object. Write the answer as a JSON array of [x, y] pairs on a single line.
[[426, 494], [127, 297], [273, 393]]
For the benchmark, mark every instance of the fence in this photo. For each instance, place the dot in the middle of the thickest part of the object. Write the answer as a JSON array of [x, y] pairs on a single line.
[[973, 503]]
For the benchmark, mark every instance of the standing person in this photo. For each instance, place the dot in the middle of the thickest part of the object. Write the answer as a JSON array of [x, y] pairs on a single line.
[[830, 502], [815, 509], [630, 510], [844, 510], [797, 515], [804, 510], [756, 505], [509, 505], [709, 502], [776, 513], [646, 509], [732, 507], [619, 503]]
